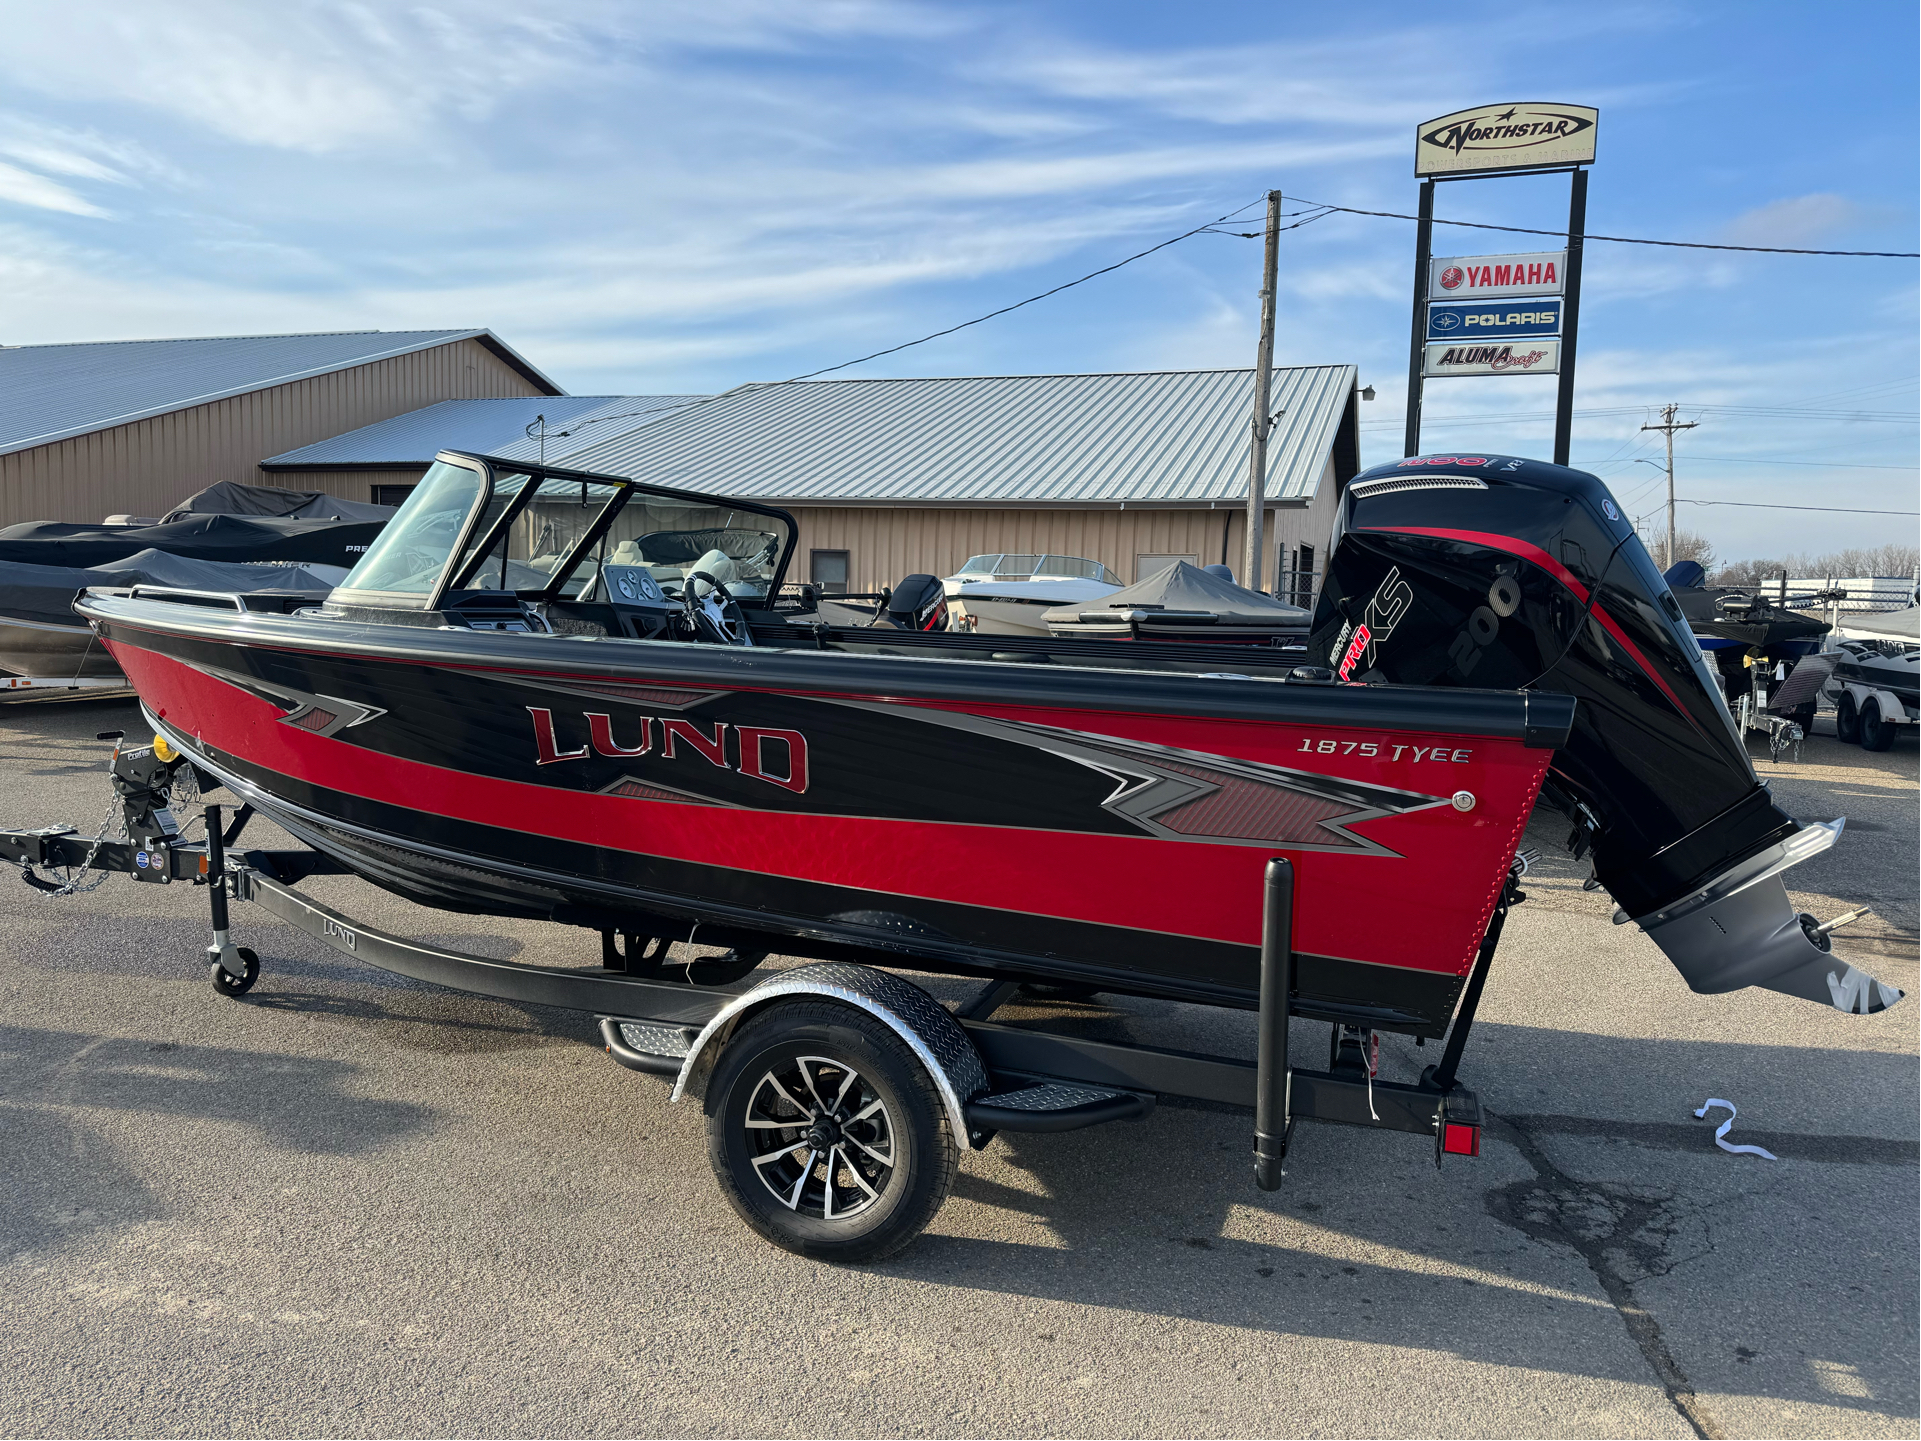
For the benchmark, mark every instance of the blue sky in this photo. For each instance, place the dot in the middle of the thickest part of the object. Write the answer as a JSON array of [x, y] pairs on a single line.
[[675, 197]]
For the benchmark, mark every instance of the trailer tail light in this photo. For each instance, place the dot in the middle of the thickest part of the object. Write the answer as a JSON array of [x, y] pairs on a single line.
[[1460, 1140]]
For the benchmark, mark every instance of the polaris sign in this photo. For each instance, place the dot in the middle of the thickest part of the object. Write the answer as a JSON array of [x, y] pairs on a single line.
[[1469, 320]]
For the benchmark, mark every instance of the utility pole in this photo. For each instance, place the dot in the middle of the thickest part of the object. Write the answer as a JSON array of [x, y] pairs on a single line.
[[1667, 427], [1263, 382]]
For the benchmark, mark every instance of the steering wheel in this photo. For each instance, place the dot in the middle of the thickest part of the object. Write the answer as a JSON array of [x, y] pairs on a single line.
[[709, 620]]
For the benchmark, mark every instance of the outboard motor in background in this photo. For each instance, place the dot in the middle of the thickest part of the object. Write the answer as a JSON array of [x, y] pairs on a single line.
[[918, 603], [1494, 571]]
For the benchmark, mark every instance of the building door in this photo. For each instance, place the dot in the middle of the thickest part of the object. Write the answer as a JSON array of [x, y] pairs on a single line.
[[1146, 565], [828, 569]]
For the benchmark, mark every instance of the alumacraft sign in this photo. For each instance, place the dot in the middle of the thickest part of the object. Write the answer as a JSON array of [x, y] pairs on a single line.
[[1488, 277], [1519, 357], [1459, 320], [1506, 137]]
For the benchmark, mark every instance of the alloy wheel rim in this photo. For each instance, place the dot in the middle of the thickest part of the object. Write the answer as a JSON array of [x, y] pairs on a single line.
[[820, 1137]]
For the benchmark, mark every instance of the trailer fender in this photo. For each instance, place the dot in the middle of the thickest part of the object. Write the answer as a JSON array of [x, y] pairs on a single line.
[[923, 1024]]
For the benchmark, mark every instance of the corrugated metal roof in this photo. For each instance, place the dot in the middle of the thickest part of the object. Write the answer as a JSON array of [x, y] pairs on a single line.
[[52, 392], [498, 427], [1174, 437]]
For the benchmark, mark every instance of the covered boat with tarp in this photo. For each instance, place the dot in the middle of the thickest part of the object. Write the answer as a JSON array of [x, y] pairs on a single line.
[[1183, 603], [41, 637]]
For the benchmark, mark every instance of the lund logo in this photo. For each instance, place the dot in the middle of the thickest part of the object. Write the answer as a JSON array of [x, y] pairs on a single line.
[[332, 930], [751, 755]]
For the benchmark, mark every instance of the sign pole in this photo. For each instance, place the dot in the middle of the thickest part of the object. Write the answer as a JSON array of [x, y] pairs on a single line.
[[1570, 314], [1417, 346], [1263, 382]]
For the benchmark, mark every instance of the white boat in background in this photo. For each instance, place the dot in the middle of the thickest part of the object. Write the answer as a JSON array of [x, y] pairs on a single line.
[[1010, 594]]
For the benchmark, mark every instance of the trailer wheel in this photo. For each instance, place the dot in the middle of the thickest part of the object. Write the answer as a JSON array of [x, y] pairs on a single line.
[[230, 985], [827, 1134], [1877, 734], [1847, 720]]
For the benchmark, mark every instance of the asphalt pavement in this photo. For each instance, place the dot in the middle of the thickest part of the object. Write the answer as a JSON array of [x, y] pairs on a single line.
[[351, 1204]]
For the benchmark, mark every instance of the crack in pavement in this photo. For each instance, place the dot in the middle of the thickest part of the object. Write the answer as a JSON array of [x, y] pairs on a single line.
[[1601, 1223]]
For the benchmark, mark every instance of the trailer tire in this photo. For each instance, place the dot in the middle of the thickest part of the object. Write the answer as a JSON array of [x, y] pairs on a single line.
[[1877, 734], [887, 1172], [231, 985], [1847, 720]]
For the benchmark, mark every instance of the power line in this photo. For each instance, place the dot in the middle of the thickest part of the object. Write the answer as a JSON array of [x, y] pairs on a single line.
[[1836, 464], [1629, 239], [1069, 285], [1828, 509]]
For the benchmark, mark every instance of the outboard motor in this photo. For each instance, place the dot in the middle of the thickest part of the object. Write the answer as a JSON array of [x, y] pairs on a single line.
[[918, 603], [1494, 571]]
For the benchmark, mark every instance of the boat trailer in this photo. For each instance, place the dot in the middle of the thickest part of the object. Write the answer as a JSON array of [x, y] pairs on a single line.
[[991, 1076]]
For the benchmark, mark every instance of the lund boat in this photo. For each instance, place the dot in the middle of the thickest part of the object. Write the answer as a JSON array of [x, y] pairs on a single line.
[[1010, 594], [1187, 604], [496, 715]]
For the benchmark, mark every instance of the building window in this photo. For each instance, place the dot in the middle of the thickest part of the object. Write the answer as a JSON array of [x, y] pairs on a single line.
[[391, 494], [828, 570]]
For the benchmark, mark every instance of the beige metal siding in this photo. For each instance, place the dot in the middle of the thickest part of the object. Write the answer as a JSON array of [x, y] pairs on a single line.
[[885, 543], [147, 466], [347, 484]]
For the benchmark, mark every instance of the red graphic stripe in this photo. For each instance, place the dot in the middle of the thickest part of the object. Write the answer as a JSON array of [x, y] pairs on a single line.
[[1553, 567]]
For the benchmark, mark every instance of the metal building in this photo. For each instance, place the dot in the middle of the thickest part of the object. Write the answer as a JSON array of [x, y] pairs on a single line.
[[133, 426], [381, 462], [891, 477]]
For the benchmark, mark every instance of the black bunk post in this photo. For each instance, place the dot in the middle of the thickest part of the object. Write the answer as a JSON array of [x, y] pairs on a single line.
[[1272, 1122]]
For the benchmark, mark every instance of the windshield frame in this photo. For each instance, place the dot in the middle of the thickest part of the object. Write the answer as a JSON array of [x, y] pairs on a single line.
[[467, 555], [625, 489]]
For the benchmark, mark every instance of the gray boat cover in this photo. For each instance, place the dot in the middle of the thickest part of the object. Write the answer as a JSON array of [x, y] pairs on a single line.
[[234, 539], [1882, 625], [44, 593], [230, 497], [1184, 587]]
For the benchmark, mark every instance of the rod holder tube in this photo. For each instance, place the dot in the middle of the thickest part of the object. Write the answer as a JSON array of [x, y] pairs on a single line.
[[216, 873], [1272, 1121]]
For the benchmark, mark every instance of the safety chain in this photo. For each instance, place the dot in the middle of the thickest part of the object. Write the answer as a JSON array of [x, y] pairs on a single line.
[[73, 886]]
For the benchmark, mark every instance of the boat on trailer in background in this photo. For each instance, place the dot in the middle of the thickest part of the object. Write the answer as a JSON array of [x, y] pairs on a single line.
[[586, 699]]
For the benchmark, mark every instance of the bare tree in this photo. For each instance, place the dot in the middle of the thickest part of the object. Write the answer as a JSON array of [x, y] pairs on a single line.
[[1895, 558], [1691, 545]]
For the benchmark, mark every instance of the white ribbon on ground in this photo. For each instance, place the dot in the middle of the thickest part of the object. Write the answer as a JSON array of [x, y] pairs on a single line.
[[1721, 1132]]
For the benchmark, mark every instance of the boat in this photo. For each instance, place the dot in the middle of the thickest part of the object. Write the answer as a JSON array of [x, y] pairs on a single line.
[[537, 695], [1010, 594], [1873, 675], [1184, 603], [1750, 641], [215, 535], [42, 639]]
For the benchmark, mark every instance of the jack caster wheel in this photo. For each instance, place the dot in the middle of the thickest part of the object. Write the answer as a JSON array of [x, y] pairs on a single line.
[[826, 1133], [230, 985]]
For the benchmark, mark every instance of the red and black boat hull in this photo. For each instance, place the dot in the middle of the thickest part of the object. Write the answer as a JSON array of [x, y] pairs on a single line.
[[1107, 827]]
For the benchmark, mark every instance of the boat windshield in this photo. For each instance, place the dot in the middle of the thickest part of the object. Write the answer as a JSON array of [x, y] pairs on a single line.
[[406, 558], [520, 537], [1038, 567]]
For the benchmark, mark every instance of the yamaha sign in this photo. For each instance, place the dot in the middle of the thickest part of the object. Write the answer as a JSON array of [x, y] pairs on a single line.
[[1492, 138]]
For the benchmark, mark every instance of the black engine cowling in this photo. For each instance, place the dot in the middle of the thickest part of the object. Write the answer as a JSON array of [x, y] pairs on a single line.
[[1500, 572]]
